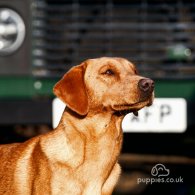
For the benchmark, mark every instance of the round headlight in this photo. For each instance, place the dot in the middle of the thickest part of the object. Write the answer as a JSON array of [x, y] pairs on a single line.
[[12, 31]]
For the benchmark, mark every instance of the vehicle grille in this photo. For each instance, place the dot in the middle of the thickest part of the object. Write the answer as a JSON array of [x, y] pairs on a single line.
[[158, 36]]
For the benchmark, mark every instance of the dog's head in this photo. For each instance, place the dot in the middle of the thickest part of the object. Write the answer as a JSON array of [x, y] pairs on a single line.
[[110, 84]]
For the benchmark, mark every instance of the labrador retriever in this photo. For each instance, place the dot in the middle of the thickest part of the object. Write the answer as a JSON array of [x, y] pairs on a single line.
[[80, 156]]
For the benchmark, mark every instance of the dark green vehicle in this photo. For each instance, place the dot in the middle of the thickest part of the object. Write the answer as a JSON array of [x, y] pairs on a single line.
[[41, 39]]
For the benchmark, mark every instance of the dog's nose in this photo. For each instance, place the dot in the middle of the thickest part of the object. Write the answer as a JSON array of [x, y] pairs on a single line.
[[146, 85]]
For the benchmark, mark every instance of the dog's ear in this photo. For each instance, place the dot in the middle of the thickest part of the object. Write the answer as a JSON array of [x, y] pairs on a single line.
[[71, 90]]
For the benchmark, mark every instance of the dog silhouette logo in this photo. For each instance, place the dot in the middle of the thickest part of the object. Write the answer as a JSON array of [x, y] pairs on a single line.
[[160, 170]]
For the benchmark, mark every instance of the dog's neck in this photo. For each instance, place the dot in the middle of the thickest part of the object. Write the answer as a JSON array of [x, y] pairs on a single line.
[[94, 124], [73, 127]]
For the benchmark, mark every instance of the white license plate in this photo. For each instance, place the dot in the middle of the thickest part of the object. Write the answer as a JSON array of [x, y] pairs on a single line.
[[165, 115]]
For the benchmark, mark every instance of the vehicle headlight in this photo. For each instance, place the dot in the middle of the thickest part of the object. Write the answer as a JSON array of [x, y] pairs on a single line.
[[12, 31]]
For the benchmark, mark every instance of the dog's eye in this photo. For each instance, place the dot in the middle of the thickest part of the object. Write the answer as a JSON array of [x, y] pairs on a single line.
[[109, 72]]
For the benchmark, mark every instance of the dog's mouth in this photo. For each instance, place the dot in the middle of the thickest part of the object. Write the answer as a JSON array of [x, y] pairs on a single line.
[[124, 109]]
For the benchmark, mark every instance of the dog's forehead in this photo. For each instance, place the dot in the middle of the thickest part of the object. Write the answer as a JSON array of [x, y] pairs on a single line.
[[126, 64], [93, 65]]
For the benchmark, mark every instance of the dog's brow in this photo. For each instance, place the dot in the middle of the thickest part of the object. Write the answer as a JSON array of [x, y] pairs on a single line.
[[109, 65]]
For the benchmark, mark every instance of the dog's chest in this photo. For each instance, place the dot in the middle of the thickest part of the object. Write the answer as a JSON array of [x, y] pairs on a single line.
[[101, 154], [98, 160], [98, 155]]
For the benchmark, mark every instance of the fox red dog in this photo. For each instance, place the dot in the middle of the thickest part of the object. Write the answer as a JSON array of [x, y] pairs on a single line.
[[80, 156]]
